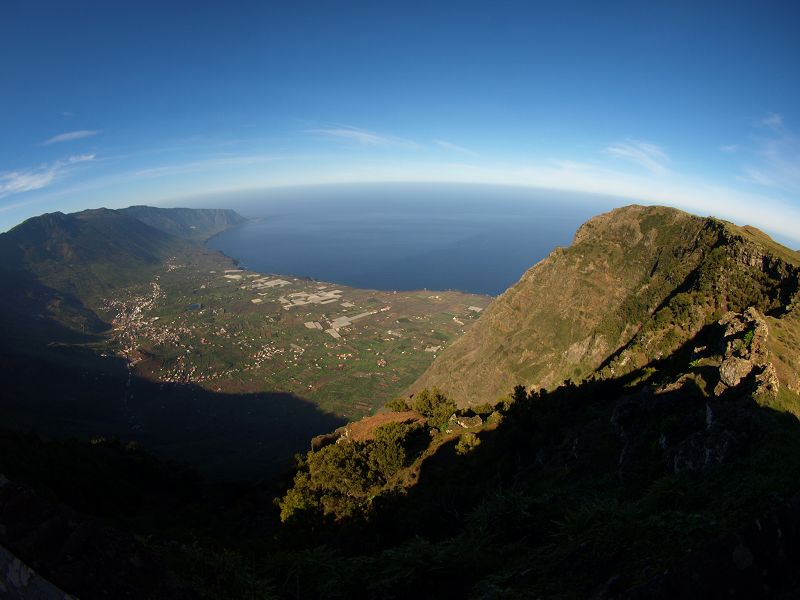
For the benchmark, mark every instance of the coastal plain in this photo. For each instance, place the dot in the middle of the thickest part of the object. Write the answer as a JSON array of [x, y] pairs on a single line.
[[204, 321]]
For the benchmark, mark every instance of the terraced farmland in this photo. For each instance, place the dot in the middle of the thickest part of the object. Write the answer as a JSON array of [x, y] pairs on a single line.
[[203, 321]]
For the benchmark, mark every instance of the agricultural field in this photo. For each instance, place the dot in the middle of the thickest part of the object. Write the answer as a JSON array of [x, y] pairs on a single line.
[[202, 320]]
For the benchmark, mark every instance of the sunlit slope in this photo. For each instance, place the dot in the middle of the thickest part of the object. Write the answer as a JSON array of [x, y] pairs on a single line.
[[635, 284]]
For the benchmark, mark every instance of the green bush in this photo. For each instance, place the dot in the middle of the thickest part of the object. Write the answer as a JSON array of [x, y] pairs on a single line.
[[434, 405], [337, 480], [467, 443], [341, 480], [397, 405], [388, 451]]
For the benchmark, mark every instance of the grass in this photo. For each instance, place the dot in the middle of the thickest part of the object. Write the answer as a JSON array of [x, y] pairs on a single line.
[[783, 342]]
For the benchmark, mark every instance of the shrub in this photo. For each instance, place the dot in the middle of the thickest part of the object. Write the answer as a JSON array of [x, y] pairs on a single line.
[[341, 480], [495, 417], [520, 393], [434, 405], [388, 450], [397, 405], [467, 443]]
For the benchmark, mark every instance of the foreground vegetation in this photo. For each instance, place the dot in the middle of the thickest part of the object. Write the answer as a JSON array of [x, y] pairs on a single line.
[[587, 489]]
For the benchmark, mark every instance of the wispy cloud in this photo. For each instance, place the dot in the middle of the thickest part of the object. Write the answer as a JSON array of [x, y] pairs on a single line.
[[17, 182], [644, 154], [451, 146], [70, 136], [773, 156], [753, 175], [729, 147], [79, 158], [211, 163], [773, 120], [361, 136]]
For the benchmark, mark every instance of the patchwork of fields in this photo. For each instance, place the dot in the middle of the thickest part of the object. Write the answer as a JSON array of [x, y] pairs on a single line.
[[204, 322]]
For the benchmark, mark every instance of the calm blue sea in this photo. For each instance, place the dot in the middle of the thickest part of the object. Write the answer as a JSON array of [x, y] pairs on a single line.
[[474, 238]]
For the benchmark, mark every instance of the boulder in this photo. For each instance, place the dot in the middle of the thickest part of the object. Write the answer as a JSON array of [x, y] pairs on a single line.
[[466, 422], [733, 370], [733, 323]]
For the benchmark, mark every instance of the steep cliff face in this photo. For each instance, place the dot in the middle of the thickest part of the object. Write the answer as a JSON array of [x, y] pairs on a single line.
[[636, 283]]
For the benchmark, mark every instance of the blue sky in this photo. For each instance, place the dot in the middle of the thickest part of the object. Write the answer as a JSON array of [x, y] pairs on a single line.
[[674, 103]]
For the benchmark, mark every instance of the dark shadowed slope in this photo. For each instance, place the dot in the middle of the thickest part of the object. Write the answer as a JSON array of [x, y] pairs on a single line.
[[100, 248], [54, 266], [225, 437], [90, 250]]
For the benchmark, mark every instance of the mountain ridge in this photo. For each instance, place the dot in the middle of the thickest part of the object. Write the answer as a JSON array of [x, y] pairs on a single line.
[[86, 253], [634, 284], [196, 224], [58, 267]]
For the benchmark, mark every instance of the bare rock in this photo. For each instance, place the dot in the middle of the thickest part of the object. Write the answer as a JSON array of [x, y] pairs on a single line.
[[466, 422], [767, 381], [758, 344], [733, 370], [733, 323]]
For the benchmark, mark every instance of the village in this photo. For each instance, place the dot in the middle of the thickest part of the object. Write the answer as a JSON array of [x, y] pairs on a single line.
[[231, 330]]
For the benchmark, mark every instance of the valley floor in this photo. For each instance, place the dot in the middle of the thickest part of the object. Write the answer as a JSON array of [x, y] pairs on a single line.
[[202, 321]]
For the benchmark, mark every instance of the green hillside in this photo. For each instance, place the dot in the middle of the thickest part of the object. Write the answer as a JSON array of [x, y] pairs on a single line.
[[635, 284], [56, 266], [93, 251], [84, 252], [589, 490]]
